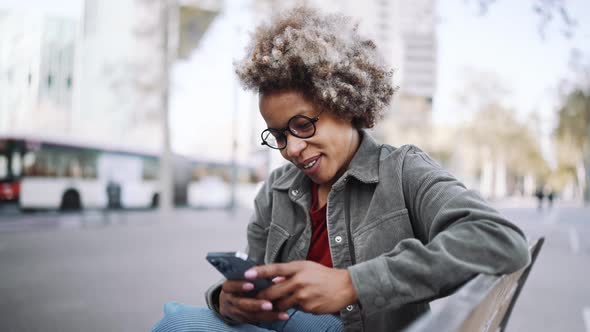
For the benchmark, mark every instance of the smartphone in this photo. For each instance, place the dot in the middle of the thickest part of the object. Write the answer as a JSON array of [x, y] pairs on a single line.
[[233, 265]]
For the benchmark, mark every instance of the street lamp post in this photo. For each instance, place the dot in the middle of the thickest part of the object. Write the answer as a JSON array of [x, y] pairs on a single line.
[[165, 201], [234, 145]]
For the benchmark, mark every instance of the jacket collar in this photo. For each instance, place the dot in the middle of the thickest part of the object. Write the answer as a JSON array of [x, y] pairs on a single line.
[[364, 166]]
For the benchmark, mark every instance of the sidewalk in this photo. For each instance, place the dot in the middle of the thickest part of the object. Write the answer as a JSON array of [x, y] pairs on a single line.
[[525, 202]]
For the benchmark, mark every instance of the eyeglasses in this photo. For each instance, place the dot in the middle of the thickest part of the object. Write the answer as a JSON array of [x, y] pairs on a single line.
[[299, 126]]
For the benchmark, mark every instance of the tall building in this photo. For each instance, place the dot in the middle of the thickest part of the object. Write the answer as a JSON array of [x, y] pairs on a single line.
[[418, 71], [37, 56], [118, 97], [121, 69]]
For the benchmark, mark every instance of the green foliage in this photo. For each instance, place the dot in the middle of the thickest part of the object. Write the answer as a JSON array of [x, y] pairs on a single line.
[[574, 119], [572, 135], [497, 129]]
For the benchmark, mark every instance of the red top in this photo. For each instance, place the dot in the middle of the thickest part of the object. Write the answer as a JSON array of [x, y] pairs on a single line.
[[319, 249]]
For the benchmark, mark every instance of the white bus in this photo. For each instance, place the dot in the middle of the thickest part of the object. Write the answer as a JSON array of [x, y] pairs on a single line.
[[210, 185], [51, 174], [38, 173]]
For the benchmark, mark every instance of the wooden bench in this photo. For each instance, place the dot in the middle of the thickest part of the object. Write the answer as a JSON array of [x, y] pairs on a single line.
[[482, 304]]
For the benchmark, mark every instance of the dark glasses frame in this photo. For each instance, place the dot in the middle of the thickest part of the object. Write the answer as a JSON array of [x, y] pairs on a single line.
[[280, 133]]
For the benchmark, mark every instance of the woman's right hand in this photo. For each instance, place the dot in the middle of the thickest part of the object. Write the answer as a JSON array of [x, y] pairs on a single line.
[[234, 304]]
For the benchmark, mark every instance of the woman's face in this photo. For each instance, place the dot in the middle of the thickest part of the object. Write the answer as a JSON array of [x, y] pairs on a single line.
[[322, 157]]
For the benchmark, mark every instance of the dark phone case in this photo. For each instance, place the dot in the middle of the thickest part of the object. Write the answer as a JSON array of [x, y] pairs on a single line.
[[233, 268]]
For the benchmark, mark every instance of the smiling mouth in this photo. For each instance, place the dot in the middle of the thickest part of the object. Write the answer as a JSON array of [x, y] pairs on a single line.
[[310, 164]]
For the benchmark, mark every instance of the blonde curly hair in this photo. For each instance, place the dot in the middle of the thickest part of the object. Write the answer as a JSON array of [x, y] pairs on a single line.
[[325, 58]]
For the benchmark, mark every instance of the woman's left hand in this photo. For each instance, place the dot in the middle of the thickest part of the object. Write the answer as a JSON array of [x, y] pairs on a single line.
[[311, 286]]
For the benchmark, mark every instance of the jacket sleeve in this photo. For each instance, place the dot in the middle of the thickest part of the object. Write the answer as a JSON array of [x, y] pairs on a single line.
[[458, 235], [257, 233]]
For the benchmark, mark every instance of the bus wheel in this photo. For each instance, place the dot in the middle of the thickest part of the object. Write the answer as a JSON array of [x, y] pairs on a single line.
[[155, 200], [70, 201]]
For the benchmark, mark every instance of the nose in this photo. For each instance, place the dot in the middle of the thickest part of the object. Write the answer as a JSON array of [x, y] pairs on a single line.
[[295, 146]]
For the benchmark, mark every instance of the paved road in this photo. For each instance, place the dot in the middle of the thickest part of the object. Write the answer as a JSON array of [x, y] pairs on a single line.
[[96, 272], [557, 294], [108, 275]]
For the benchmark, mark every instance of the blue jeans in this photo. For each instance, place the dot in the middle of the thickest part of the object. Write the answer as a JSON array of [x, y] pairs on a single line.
[[184, 318]]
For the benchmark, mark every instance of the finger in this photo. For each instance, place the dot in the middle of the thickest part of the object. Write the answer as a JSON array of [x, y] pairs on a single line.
[[226, 307], [273, 270], [237, 286], [240, 311], [286, 303], [226, 299], [240, 316], [278, 280], [278, 291], [248, 304]]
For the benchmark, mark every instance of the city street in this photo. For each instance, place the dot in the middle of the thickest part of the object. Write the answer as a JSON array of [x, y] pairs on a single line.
[[109, 109], [113, 272]]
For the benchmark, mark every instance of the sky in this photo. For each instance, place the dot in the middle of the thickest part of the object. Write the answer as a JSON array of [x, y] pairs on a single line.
[[65, 8], [506, 43], [503, 44]]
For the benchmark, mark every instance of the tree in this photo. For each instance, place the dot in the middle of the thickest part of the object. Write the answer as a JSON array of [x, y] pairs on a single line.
[[574, 119], [500, 150], [573, 139], [548, 12], [497, 129]]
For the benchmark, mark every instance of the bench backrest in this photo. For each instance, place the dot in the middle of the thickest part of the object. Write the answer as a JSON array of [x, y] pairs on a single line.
[[482, 304]]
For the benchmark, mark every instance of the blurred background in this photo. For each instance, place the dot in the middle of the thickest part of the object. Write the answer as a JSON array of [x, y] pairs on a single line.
[[128, 149]]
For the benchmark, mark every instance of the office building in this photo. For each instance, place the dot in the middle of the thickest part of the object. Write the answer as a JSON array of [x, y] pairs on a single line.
[[37, 57]]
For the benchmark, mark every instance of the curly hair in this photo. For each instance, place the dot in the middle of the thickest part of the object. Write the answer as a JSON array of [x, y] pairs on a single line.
[[325, 58]]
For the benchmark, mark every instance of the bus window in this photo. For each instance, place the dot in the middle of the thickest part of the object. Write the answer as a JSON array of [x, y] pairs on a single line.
[[88, 165], [74, 169], [150, 168], [3, 167], [29, 163], [35, 163], [61, 164], [42, 165], [17, 164], [3, 159], [89, 172]]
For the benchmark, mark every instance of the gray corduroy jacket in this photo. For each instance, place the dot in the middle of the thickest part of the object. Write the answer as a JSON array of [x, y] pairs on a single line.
[[406, 230]]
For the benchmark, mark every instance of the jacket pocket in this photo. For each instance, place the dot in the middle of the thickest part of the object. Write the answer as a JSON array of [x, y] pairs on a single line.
[[277, 236], [382, 234]]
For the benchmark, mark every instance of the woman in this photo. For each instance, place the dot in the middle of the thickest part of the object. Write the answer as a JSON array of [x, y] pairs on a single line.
[[358, 236]]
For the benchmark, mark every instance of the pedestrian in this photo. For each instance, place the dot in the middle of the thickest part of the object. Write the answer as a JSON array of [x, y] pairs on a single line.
[[550, 197], [358, 236], [540, 194]]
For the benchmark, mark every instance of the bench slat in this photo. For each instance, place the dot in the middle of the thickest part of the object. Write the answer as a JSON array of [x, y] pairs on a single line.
[[482, 304]]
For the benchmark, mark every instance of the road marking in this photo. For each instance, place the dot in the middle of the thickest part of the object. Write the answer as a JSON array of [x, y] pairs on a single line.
[[574, 240], [586, 316]]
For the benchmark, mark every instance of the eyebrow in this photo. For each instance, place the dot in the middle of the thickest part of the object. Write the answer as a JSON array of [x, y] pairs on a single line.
[[287, 124]]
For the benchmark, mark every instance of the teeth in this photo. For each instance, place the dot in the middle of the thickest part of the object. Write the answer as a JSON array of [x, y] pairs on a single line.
[[310, 165]]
